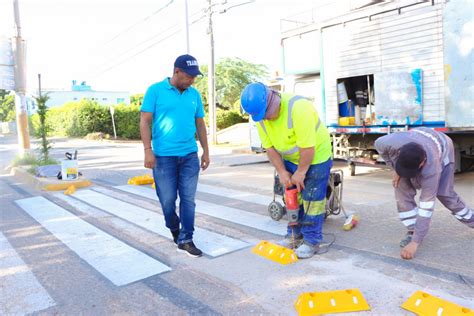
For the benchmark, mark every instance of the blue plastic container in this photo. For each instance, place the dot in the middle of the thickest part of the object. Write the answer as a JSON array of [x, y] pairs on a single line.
[[346, 109]]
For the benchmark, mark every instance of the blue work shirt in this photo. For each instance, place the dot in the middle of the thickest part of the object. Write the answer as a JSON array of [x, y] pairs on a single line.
[[174, 118]]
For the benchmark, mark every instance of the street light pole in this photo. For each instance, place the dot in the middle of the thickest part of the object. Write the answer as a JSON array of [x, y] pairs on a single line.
[[186, 25], [211, 83], [20, 85]]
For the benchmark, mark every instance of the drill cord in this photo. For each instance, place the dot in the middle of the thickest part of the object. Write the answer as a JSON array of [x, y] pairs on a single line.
[[327, 245]]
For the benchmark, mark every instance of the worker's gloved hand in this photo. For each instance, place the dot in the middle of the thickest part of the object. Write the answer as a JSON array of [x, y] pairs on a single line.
[[408, 252], [298, 179], [285, 178]]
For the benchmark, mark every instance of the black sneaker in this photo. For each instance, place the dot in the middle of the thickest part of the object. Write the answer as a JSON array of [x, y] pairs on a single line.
[[190, 249], [175, 236]]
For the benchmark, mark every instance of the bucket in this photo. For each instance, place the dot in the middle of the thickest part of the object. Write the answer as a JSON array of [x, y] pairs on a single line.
[[346, 121], [341, 93], [69, 169], [346, 109], [362, 113], [357, 115]]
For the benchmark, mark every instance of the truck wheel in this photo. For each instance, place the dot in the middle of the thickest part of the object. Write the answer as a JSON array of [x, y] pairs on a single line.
[[352, 168], [276, 210]]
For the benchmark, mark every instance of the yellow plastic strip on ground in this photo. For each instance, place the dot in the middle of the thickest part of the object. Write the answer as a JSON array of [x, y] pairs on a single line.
[[67, 184], [275, 252], [422, 304], [341, 301], [141, 180]]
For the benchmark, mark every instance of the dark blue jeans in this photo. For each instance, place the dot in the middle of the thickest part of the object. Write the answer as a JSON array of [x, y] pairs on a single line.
[[177, 175]]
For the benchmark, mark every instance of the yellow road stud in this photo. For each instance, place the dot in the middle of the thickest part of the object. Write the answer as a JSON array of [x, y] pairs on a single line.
[[70, 190], [140, 180], [341, 301], [275, 252], [424, 304]]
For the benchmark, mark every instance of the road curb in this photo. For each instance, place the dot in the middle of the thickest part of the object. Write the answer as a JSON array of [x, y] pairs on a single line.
[[47, 184]]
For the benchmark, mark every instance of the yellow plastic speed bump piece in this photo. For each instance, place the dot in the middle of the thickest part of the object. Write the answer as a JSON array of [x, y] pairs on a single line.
[[275, 252], [140, 180], [70, 190], [422, 304], [341, 301]]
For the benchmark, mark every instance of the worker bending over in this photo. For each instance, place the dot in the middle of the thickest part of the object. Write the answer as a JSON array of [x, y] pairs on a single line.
[[423, 159]]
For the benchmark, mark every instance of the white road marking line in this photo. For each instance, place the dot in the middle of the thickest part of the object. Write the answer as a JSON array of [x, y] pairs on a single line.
[[114, 259], [235, 194], [211, 243], [230, 214], [20, 291]]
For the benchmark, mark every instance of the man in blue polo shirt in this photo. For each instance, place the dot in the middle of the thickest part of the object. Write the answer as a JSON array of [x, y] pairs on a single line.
[[175, 113]]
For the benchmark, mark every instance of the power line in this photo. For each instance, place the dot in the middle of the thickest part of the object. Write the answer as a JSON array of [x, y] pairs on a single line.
[[165, 38], [144, 50], [139, 22], [134, 47], [148, 39]]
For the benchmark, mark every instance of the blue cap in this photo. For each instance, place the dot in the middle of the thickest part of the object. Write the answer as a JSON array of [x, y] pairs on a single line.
[[188, 64], [254, 100]]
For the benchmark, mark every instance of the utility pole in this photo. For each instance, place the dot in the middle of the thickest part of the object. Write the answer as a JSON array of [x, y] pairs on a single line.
[[39, 85], [211, 83], [186, 25], [20, 85]]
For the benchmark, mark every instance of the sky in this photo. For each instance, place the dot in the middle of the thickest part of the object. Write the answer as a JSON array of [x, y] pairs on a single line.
[[124, 45]]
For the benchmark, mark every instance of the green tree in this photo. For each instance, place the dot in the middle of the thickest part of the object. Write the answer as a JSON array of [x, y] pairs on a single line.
[[136, 99], [7, 106], [43, 126], [232, 75]]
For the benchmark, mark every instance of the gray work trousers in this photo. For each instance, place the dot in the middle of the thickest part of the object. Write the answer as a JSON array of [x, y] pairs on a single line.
[[406, 191]]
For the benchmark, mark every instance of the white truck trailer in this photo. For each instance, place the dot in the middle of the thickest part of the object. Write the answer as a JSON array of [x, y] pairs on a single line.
[[405, 63]]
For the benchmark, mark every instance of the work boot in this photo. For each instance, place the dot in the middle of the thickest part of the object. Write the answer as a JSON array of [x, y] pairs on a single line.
[[175, 234], [190, 249], [408, 237], [306, 250], [291, 242]]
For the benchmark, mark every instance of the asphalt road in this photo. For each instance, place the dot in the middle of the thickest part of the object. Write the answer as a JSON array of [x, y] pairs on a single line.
[[103, 250]]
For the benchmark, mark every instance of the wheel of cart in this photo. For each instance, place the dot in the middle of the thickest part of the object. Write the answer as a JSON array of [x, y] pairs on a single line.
[[277, 210], [334, 204], [334, 192]]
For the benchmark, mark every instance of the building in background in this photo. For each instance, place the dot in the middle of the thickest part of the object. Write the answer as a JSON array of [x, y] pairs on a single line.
[[78, 92]]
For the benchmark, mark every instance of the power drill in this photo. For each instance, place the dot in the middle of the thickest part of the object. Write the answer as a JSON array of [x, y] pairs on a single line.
[[292, 205]]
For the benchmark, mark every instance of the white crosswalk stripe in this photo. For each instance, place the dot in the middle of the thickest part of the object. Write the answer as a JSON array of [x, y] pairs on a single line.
[[235, 194], [115, 260], [122, 264], [20, 291], [260, 222], [212, 244]]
